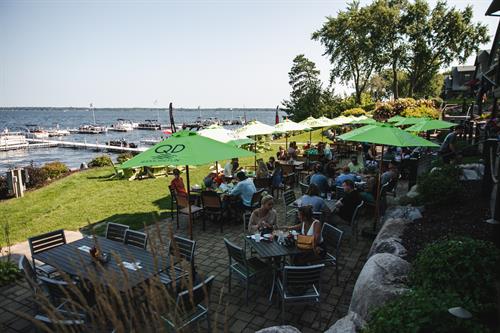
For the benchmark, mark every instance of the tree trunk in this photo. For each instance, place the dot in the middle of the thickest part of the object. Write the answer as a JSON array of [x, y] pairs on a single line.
[[395, 87]]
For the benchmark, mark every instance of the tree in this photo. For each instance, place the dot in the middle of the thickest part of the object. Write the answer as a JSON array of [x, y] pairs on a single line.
[[353, 48], [305, 98], [437, 38]]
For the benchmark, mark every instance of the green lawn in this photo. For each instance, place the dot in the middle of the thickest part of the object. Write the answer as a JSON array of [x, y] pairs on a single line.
[[90, 197]]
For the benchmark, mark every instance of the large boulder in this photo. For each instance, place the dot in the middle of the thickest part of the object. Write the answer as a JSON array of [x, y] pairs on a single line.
[[382, 279], [404, 212], [279, 329], [388, 239], [469, 174], [413, 192], [351, 323]]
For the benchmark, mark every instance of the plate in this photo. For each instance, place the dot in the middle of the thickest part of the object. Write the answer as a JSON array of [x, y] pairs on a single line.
[[267, 235]]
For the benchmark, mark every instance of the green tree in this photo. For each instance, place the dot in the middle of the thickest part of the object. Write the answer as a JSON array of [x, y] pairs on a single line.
[[438, 37], [305, 98], [352, 45]]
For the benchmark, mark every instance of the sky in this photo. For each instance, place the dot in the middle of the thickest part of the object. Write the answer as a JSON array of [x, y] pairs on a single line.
[[126, 53]]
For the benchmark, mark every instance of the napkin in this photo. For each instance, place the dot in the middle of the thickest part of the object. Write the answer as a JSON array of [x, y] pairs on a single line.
[[132, 265], [84, 248]]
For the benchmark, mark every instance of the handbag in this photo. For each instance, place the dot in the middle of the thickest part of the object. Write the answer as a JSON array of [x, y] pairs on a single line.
[[305, 242]]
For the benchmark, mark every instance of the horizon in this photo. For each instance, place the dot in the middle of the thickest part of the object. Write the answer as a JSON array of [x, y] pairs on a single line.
[[132, 54]]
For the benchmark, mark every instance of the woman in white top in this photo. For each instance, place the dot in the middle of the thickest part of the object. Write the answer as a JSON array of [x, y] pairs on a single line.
[[309, 227]]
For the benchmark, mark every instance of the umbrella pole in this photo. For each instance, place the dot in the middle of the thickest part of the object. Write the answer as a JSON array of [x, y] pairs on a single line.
[[379, 187], [189, 204], [286, 141], [255, 154]]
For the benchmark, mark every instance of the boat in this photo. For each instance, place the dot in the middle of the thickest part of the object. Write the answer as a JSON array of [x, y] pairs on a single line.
[[12, 140], [36, 132], [121, 143], [149, 124], [91, 129], [58, 132], [122, 125]]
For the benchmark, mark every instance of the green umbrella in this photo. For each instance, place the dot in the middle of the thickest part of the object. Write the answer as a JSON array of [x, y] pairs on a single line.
[[429, 125], [241, 142], [395, 119], [366, 121], [409, 121], [186, 148], [385, 135]]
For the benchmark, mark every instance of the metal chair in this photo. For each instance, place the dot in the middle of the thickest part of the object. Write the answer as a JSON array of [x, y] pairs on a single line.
[[212, 206], [332, 238], [245, 268], [29, 274], [288, 199], [263, 183], [300, 284], [255, 203], [354, 220], [116, 232], [183, 249], [190, 307], [303, 188], [183, 208], [136, 238], [246, 220], [44, 242], [339, 192]]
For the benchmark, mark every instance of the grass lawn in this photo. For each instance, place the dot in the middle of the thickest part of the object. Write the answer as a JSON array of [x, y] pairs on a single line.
[[90, 197]]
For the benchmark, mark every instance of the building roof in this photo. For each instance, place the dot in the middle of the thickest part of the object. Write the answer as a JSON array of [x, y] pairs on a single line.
[[467, 68], [493, 8]]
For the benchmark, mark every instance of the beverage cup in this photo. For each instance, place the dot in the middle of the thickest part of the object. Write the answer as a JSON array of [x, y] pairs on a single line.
[[328, 196], [257, 237]]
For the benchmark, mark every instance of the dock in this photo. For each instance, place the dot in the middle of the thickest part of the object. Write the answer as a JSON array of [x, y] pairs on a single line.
[[44, 143]]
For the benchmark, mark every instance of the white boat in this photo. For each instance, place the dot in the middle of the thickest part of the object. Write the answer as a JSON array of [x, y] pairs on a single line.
[[122, 125], [36, 132], [92, 129], [58, 132], [12, 140], [149, 125]]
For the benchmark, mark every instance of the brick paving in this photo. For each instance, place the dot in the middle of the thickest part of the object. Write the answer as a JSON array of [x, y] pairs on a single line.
[[229, 311]]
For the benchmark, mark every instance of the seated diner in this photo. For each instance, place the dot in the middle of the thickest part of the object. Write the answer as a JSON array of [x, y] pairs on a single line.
[[264, 219]]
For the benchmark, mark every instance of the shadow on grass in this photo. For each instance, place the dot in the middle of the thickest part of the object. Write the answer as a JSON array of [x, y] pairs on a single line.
[[136, 221]]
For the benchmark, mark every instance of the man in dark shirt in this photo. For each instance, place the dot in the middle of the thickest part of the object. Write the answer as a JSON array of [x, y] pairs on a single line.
[[448, 148], [346, 206]]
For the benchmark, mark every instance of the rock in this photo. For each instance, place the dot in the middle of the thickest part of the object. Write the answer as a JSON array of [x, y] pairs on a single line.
[[382, 279], [351, 323], [404, 212], [477, 167], [388, 239], [469, 174], [279, 329], [412, 193]]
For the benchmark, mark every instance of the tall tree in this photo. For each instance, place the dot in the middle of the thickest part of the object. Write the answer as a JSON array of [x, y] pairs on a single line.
[[305, 98], [352, 45], [438, 37]]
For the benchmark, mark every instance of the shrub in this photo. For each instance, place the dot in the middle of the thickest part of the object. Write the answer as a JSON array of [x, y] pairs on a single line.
[[464, 266], [123, 157], [421, 112], [37, 176], [354, 112], [8, 272], [423, 311], [404, 106], [368, 107], [55, 169], [441, 186], [101, 161]]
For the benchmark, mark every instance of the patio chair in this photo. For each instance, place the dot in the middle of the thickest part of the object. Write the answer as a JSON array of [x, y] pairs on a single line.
[[245, 268], [299, 284], [339, 192], [263, 184], [116, 231], [288, 199], [44, 242], [255, 203], [354, 221], [332, 237], [191, 306], [246, 220], [183, 250], [29, 274], [303, 188], [136, 238], [183, 208], [212, 206]]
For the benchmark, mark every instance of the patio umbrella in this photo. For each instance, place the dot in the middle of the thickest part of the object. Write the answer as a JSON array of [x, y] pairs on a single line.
[[186, 148], [312, 122], [289, 126], [341, 120], [395, 119], [429, 125], [409, 121], [255, 128], [385, 135], [218, 133], [365, 121], [241, 142]]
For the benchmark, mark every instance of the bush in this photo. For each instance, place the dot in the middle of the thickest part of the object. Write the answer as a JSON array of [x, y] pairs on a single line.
[[55, 169], [465, 266], [421, 112], [423, 311], [354, 112], [37, 176], [8, 272], [101, 161], [441, 186], [403, 106], [123, 157]]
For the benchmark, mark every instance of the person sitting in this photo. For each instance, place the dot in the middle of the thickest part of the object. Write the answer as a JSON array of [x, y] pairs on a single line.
[[307, 146], [327, 152], [330, 134], [319, 180], [178, 184], [309, 226], [389, 154], [281, 154], [346, 174], [312, 198], [354, 165], [209, 180], [345, 207], [292, 151], [390, 174], [277, 178], [264, 219], [271, 164], [231, 167], [330, 169], [448, 149], [262, 171], [244, 189], [313, 151]]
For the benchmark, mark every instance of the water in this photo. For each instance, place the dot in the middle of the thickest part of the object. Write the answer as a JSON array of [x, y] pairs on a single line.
[[16, 119]]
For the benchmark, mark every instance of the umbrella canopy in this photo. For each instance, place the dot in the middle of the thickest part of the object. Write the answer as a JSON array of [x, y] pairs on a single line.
[[366, 121], [218, 133], [395, 119], [429, 125], [386, 135], [312, 122], [326, 121], [255, 128], [185, 148], [409, 121], [290, 126], [240, 142], [342, 120]]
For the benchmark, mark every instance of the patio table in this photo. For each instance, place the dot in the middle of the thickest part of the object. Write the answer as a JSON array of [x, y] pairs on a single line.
[[274, 251], [329, 203], [74, 259]]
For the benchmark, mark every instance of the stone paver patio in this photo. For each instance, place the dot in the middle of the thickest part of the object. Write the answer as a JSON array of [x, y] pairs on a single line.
[[230, 313]]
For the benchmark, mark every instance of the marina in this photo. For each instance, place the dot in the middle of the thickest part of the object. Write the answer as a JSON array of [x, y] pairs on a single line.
[[84, 145]]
